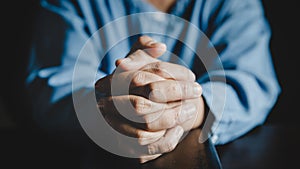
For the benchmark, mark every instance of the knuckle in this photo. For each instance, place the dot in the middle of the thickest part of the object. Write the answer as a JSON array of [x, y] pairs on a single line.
[[168, 122], [154, 92], [174, 88], [185, 89], [138, 78], [151, 89], [140, 135], [152, 86], [139, 52], [148, 125], [169, 146], [140, 105], [142, 141], [136, 101], [156, 67], [147, 120], [177, 112]]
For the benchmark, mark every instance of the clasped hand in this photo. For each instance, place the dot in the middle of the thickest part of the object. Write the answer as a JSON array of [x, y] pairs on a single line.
[[160, 102]]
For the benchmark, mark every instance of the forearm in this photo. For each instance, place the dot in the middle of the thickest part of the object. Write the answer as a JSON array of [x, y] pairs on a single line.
[[52, 104], [237, 105]]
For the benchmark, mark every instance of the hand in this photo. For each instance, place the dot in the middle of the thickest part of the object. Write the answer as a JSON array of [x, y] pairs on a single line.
[[167, 114], [143, 83]]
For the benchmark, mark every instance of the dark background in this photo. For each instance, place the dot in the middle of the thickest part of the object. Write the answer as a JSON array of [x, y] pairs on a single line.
[[283, 17], [17, 19]]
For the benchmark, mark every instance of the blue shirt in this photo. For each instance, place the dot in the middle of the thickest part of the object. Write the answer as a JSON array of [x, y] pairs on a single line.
[[237, 29]]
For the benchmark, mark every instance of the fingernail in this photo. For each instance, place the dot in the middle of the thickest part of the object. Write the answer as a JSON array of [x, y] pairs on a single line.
[[188, 111], [156, 44], [197, 90], [152, 43]]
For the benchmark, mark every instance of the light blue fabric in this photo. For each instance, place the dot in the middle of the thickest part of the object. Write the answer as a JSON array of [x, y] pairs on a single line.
[[236, 28]]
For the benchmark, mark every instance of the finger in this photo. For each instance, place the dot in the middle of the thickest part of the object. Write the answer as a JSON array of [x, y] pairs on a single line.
[[168, 91], [149, 45], [170, 71], [146, 158], [166, 143], [131, 106], [127, 128], [122, 83], [148, 137], [141, 78], [132, 78], [135, 78], [153, 48], [143, 52], [135, 61], [197, 118], [169, 118]]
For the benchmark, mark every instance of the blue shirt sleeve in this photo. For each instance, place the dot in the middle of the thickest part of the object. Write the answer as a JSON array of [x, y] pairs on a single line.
[[241, 31], [60, 34]]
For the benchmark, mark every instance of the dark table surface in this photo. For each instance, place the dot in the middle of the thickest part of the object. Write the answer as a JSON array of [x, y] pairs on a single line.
[[266, 147], [32, 150]]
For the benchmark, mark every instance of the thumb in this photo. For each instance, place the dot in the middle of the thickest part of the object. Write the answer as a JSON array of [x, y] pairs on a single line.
[[148, 45]]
